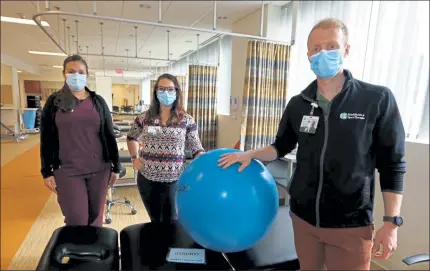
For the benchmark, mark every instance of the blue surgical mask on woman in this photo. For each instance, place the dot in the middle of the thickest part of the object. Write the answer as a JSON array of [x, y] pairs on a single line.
[[326, 64], [76, 81], [166, 98]]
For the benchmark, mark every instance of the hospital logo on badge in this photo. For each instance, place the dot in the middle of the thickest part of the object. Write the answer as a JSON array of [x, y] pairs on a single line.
[[352, 116], [343, 116]]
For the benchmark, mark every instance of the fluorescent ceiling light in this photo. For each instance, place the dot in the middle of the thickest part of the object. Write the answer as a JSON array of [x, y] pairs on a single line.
[[21, 21], [46, 53], [60, 67], [18, 71]]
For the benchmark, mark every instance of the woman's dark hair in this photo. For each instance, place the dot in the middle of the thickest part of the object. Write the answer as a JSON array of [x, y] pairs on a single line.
[[73, 58], [178, 105]]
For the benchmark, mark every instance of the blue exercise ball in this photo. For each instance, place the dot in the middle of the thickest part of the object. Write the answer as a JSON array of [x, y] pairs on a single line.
[[222, 209]]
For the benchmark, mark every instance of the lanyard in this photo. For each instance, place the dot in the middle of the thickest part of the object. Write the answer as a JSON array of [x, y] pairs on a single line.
[[313, 106]]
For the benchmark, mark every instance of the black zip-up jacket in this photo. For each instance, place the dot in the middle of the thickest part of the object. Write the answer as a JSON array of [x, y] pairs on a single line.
[[49, 144], [333, 184]]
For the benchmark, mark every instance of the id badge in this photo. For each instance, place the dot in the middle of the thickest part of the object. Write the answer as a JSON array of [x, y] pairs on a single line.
[[154, 130], [309, 124]]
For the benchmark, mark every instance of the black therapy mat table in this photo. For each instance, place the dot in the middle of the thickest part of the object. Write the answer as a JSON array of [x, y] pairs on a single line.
[[276, 251], [146, 246]]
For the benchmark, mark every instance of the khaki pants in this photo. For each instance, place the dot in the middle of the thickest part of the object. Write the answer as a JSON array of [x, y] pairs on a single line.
[[332, 248]]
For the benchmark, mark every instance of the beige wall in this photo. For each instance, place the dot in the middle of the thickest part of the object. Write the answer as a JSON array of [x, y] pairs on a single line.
[[8, 113], [413, 236], [129, 92], [6, 85], [229, 126], [6, 74]]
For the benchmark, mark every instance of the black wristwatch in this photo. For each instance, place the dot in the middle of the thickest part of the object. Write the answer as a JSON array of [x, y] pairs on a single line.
[[134, 157], [396, 220]]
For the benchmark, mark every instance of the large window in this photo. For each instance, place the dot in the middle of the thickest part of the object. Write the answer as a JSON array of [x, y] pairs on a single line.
[[423, 134], [389, 46]]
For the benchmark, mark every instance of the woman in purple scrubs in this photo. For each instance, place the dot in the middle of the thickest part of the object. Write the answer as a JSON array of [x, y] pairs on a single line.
[[78, 149]]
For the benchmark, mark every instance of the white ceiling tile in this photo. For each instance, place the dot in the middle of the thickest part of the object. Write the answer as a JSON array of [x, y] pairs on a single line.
[[117, 36]]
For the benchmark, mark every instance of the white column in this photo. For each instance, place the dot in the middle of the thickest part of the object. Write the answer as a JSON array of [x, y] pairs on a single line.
[[16, 99], [104, 89], [145, 89]]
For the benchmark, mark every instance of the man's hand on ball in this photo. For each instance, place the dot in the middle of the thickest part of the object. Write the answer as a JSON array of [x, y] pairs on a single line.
[[228, 159]]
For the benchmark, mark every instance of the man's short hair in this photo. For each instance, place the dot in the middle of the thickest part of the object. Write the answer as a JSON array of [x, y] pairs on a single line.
[[331, 23]]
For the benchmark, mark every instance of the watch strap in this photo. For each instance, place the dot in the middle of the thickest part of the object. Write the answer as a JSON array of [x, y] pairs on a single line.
[[396, 220], [388, 219], [134, 157]]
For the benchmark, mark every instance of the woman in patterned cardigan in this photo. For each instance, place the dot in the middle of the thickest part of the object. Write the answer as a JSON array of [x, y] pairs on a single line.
[[163, 131]]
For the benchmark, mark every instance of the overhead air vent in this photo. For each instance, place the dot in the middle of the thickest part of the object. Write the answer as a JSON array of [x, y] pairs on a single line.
[[210, 40], [186, 53]]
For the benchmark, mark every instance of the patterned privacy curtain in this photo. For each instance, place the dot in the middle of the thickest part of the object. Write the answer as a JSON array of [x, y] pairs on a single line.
[[183, 83], [202, 102], [264, 93]]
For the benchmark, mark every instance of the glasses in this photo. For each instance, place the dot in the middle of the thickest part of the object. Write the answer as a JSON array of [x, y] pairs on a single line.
[[168, 89]]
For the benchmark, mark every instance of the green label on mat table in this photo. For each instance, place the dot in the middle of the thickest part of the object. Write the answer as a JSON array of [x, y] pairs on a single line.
[[187, 255]]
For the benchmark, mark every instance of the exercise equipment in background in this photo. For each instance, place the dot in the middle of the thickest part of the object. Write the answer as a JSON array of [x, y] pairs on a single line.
[[81, 248], [222, 209], [33, 101], [11, 134], [110, 201], [31, 115]]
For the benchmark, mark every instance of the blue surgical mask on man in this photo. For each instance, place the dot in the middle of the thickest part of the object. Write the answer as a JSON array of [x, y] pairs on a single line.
[[326, 64], [76, 81], [166, 98]]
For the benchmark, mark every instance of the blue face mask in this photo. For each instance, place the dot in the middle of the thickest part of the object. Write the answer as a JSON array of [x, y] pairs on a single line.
[[166, 98], [76, 81], [326, 64]]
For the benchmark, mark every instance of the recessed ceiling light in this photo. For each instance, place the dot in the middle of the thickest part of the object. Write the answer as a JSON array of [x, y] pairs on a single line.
[[46, 53], [144, 6], [60, 67], [21, 21], [18, 71], [222, 17]]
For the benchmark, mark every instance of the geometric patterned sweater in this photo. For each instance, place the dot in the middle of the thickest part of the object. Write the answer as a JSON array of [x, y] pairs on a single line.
[[162, 148]]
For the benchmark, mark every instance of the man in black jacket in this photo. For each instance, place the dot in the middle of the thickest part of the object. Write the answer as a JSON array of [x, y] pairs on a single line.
[[358, 129]]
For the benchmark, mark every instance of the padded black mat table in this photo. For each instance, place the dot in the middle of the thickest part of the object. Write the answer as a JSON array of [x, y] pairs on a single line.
[[276, 251], [146, 247]]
